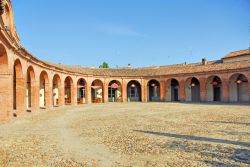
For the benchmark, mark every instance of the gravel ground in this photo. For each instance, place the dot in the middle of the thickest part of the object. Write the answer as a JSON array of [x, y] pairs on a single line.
[[130, 134]]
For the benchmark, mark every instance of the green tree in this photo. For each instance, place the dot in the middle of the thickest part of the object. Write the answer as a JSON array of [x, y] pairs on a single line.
[[104, 65]]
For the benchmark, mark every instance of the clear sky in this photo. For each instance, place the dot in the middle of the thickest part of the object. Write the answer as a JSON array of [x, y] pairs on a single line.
[[140, 32]]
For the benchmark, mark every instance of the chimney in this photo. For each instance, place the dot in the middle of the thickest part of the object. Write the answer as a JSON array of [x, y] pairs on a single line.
[[129, 66], [204, 61]]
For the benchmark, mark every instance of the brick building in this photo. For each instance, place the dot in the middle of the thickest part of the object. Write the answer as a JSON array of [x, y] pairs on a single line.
[[30, 84]]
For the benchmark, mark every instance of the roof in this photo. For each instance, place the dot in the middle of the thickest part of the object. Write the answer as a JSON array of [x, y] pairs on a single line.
[[238, 53], [212, 66]]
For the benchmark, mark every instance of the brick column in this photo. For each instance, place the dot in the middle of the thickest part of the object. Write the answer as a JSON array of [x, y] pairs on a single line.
[[105, 91], [20, 95], [202, 81], [6, 96], [48, 95], [35, 85], [225, 90], [144, 91], [182, 90], [163, 90], [124, 91], [73, 95], [88, 92], [61, 101]]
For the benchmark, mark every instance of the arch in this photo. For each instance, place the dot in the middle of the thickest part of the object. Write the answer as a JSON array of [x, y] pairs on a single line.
[[18, 88], [97, 91], [115, 91], [213, 88], [192, 89], [134, 91], [5, 84], [44, 90], [238, 88], [68, 90], [3, 60], [30, 89], [153, 88], [56, 89], [81, 91], [172, 90]]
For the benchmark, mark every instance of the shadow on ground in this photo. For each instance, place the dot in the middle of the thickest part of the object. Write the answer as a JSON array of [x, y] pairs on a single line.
[[235, 123], [221, 154], [197, 138]]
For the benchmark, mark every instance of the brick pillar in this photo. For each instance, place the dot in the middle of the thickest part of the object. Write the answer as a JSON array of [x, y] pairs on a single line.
[[48, 95], [124, 91], [144, 91], [225, 90], [105, 91], [88, 92], [182, 90], [20, 96], [61, 101], [73, 95], [6, 96], [35, 86], [202, 81], [163, 90]]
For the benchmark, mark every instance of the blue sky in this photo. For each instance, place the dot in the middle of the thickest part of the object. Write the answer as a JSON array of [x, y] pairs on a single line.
[[140, 32]]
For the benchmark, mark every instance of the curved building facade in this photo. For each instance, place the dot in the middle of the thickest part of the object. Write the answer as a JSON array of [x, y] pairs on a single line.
[[30, 84]]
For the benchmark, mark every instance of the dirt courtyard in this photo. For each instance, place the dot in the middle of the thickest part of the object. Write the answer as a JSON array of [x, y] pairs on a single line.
[[130, 134]]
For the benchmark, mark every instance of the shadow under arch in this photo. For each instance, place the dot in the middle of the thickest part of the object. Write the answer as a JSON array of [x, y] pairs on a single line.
[[97, 94], [134, 91], [153, 89], [31, 89], [115, 91]]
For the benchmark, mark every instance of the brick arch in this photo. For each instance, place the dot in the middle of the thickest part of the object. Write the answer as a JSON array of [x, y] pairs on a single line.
[[115, 91], [214, 88], [44, 90], [5, 84], [68, 90], [134, 90], [18, 88], [153, 90], [172, 89], [57, 92], [97, 91], [192, 89], [3, 60], [81, 91], [238, 88], [31, 89]]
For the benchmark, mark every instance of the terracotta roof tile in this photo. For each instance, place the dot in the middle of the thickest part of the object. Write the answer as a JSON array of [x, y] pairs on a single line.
[[238, 53]]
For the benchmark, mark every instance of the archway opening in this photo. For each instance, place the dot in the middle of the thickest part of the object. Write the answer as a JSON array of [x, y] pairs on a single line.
[[30, 88], [174, 90], [3, 60], [18, 88], [81, 91], [97, 91], [56, 90], [134, 91], [43, 99], [68, 90], [115, 91], [238, 88], [192, 89], [153, 90], [213, 87]]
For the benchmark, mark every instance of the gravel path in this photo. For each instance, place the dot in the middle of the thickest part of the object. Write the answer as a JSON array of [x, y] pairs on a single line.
[[132, 134]]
